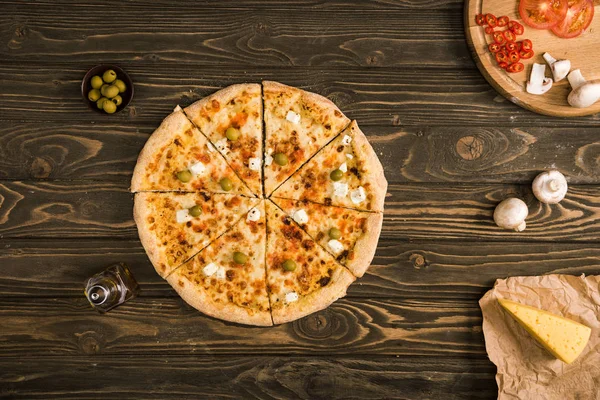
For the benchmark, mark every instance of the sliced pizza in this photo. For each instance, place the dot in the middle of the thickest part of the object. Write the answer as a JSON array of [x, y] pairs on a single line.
[[226, 279], [175, 226], [232, 120], [349, 235], [345, 173], [301, 277], [177, 157], [297, 125]]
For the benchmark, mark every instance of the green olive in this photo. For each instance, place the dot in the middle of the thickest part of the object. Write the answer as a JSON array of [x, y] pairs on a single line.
[[195, 211], [94, 95], [183, 176], [109, 76], [100, 102], [289, 265], [226, 184], [335, 233], [240, 258], [109, 91], [336, 175], [96, 82], [109, 107], [121, 85], [232, 134], [280, 159], [117, 100]]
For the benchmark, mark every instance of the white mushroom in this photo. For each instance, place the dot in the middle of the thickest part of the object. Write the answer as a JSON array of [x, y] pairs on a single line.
[[538, 83], [511, 214], [584, 93], [550, 187], [560, 68]]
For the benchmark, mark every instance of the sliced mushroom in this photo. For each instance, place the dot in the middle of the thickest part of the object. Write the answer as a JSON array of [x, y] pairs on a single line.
[[584, 93], [550, 187], [560, 68], [511, 214], [538, 83]]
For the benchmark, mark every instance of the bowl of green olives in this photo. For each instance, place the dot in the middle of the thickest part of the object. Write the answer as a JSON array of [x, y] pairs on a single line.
[[107, 89]]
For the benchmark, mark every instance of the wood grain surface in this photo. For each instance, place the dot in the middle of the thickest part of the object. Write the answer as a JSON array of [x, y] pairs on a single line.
[[451, 146]]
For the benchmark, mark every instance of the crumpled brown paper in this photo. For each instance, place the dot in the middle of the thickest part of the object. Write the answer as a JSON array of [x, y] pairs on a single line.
[[525, 369]]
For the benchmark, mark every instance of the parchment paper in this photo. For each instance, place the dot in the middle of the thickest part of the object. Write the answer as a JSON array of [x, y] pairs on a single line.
[[525, 369]]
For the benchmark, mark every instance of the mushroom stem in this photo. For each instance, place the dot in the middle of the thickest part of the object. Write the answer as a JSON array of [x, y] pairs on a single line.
[[521, 227], [559, 68], [576, 79]]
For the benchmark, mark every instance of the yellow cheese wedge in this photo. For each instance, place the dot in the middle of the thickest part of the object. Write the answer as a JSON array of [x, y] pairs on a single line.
[[562, 337]]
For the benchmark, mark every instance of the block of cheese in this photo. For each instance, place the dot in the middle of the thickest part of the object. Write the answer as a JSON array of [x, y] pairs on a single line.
[[565, 339]]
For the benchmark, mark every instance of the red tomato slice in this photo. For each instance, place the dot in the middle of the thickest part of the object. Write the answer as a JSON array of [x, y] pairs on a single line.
[[578, 18], [515, 67], [503, 21], [543, 14], [480, 19]]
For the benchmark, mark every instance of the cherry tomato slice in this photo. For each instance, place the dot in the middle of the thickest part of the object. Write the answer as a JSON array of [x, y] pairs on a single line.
[[489, 30], [503, 65], [515, 67], [503, 21], [501, 57], [526, 44], [578, 18], [542, 14], [516, 28], [526, 54], [509, 36], [499, 37], [494, 47], [513, 56], [511, 46], [480, 19], [491, 20]]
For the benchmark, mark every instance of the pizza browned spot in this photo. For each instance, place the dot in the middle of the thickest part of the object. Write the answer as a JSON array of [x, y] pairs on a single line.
[[202, 186]]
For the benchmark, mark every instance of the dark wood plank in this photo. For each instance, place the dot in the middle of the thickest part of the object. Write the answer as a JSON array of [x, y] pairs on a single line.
[[92, 209], [159, 326], [249, 378], [406, 270], [103, 151], [210, 36], [377, 96]]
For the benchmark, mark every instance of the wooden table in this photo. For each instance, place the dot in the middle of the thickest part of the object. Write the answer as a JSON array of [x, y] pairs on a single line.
[[452, 148]]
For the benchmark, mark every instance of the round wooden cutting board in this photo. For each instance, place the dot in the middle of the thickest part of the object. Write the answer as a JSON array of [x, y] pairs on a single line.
[[583, 51]]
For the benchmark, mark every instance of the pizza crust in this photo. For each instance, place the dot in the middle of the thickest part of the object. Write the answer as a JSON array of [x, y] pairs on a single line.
[[317, 300], [159, 138], [366, 246], [149, 241], [377, 178], [227, 312]]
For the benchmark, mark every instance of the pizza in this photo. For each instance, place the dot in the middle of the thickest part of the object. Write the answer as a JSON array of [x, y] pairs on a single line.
[[232, 119], [297, 125], [259, 204], [345, 173], [348, 235]]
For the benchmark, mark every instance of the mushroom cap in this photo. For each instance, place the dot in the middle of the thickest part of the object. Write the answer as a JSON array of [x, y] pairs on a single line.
[[550, 187], [511, 214], [585, 95]]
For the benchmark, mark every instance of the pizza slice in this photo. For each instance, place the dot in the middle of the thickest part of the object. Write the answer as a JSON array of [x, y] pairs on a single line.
[[178, 157], [226, 279], [351, 236], [232, 120], [175, 226], [297, 125], [301, 277], [345, 173]]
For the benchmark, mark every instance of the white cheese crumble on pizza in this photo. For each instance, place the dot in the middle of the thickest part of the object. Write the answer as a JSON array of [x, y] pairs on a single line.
[[183, 216], [293, 117], [210, 269], [300, 216]]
